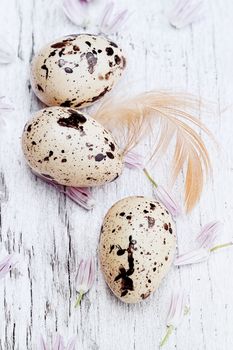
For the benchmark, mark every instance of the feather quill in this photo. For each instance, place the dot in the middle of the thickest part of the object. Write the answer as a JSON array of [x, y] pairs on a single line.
[[134, 118]]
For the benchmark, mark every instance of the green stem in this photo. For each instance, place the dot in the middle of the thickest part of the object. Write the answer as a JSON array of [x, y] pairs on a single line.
[[221, 246], [150, 178], [78, 301], [170, 329]]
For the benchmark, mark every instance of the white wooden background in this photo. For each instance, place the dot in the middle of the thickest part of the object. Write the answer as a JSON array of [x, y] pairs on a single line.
[[50, 234]]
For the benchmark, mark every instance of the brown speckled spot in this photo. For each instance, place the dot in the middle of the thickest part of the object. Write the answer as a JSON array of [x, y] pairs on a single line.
[[68, 70], [117, 59], [111, 248], [61, 62], [58, 45], [73, 121], [109, 51], [44, 67], [152, 206], [112, 146], [29, 128], [110, 155], [165, 226], [61, 52], [91, 61], [151, 221], [40, 88], [67, 103], [126, 281], [113, 44], [99, 157], [145, 295], [124, 62]]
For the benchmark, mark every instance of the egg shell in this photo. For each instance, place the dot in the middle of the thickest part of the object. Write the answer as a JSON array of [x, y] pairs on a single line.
[[76, 70], [71, 148], [136, 249]]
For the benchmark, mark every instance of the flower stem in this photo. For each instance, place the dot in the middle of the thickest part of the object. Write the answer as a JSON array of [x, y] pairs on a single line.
[[79, 299], [170, 329], [221, 246], [150, 178]]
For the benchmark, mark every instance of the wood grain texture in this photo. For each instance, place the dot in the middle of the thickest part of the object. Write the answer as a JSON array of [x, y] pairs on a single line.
[[50, 234]]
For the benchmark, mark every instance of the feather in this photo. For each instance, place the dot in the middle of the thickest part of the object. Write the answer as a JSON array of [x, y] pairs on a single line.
[[134, 118]]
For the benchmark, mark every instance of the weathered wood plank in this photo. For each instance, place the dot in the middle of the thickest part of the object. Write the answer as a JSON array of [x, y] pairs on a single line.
[[50, 233]]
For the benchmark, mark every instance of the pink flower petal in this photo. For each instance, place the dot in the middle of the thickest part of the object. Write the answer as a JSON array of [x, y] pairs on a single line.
[[185, 12], [209, 234], [80, 195], [6, 265], [133, 161], [175, 314], [76, 11], [91, 278], [118, 21], [71, 344], [85, 275], [42, 345], [193, 257], [107, 12], [109, 22], [59, 343], [164, 197], [85, 12], [80, 273], [176, 309]]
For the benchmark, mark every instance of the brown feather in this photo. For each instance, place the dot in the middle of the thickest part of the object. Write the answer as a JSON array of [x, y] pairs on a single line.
[[134, 118]]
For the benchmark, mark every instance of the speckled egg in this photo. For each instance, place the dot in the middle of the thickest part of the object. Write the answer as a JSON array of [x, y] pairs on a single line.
[[76, 70], [137, 245], [71, 148]]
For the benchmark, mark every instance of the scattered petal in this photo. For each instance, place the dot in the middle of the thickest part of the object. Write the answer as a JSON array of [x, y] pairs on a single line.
[[205, 240], [209, 234], [58, 344], [80, 195], [112, 22], [89, 13], [85, 278], [7, 54], [185, 12], [175, 314], [6, 265], [134, 161], [76, 11], [193, 257], [164, 197], [42, 345], [71, 344]]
